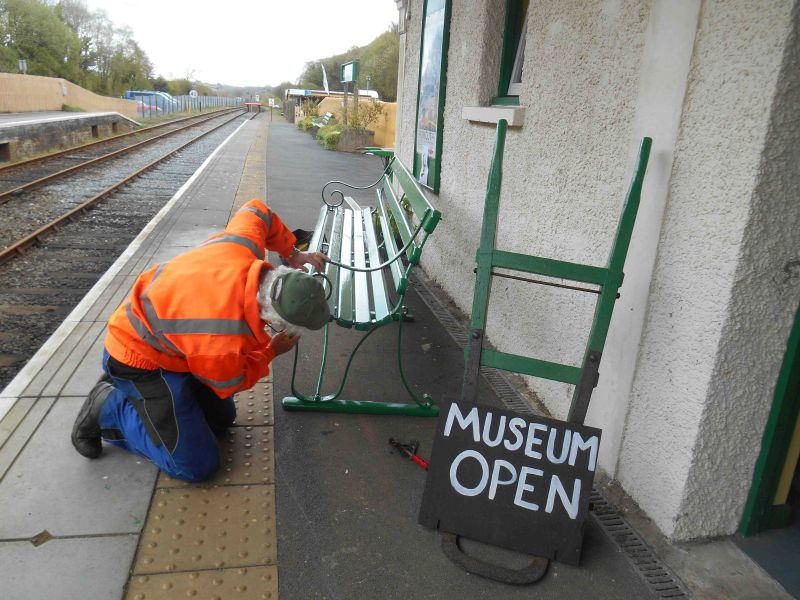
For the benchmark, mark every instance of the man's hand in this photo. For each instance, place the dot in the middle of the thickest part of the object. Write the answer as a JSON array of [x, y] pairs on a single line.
[[282, 343], [298, 259]]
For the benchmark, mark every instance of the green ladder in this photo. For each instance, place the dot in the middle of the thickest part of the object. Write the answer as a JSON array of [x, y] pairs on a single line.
[[608, 281]]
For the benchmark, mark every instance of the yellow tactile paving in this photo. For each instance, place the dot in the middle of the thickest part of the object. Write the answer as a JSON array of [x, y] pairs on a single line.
[[253, 183], [254, 407], [220, 584], [246, 454], [208, 528]]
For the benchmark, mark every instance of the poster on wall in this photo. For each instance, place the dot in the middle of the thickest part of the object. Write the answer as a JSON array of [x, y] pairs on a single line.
[[431, 90]]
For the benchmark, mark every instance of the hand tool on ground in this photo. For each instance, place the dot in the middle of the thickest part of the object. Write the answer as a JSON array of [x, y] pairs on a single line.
[[410, 450]]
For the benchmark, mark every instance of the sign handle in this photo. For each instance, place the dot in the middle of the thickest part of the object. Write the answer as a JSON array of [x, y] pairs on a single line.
[[527, 575]]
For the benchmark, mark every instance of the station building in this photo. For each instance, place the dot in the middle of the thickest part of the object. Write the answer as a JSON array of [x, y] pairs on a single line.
[[294, 98], [698, 392]]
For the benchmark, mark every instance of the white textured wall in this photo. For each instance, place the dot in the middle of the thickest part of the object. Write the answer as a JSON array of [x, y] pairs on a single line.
[[717, 320], [699, 76], [566, 170], [669, 41]]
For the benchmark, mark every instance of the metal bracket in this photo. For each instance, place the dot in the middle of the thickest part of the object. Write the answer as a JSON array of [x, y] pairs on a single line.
[[472, 370], [590, 375]]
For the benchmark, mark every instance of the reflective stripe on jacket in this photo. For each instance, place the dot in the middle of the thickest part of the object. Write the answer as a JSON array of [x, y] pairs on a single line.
[[198, 313]]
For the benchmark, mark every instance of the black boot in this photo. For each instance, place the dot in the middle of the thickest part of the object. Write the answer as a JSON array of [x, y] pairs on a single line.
[[86, 430]]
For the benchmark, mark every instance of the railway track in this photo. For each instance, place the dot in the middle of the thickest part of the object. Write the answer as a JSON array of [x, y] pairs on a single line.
[[25, 175], [73, 237], [45, 203]]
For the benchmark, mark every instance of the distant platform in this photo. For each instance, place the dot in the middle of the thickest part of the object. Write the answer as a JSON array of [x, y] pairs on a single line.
[[17, 119], [24, 135]]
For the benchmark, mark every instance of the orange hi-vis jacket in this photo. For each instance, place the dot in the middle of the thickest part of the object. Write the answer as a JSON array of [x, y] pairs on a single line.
[[198, 313]]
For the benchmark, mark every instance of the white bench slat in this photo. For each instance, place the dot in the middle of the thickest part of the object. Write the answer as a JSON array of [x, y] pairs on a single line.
[[315, 245], [345, 308], [380, 298], [361, 289], [391, 247], [334, 252], [399, 214]]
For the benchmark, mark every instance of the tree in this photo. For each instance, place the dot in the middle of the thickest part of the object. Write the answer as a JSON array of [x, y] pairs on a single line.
[[31, 29], [78, 18], [378, 59], [160, 84]]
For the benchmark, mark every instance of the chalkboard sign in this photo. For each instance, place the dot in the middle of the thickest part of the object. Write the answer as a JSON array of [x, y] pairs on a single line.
[[515, 481]]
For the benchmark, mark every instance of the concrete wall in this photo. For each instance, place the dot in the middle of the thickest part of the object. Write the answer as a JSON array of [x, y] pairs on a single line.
[[26, 140], [566, 170], [684, 388], [29, 93], [722, 300]]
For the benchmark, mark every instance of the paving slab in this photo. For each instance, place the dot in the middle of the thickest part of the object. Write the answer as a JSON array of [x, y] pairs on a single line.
[[110, 298], [50, 487], [74, 375], [15, 416], [89, 370], [84, 507], [221, 584], [21, 428], [66, 569]]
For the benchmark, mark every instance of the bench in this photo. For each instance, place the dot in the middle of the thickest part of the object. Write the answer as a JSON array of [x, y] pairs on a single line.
[[373, 251], [321, 122]]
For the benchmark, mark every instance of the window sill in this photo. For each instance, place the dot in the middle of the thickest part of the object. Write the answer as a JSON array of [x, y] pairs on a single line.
[[514, 115]]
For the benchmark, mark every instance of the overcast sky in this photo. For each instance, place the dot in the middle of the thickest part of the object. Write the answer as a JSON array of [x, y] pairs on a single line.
[[264, 42]]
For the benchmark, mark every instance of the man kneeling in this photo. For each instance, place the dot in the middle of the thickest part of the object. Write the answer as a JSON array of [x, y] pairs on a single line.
[[192, 333]]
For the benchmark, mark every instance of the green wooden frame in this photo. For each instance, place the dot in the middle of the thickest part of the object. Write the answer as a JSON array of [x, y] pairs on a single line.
[[608, 279], [760, 513], [342, 68], [510, 35], [430, 179]]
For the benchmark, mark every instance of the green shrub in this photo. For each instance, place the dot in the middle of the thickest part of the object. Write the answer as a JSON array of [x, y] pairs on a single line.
[[329, 135], [366, 115], [310, 108], [305, 123], [69, 108]]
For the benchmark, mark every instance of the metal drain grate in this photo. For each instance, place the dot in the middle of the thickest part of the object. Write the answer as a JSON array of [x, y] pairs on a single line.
[[655, 573]]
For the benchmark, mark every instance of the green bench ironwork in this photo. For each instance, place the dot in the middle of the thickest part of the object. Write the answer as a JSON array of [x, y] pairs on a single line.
[[373, 251]]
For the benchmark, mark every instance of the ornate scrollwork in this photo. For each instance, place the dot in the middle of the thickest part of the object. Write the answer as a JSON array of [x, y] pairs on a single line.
[[329, 199]]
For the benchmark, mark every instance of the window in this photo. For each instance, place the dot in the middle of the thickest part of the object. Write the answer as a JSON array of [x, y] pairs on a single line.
[[513, 58]]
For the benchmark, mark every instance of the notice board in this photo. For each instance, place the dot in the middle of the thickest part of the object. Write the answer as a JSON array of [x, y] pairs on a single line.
[[515, 481]]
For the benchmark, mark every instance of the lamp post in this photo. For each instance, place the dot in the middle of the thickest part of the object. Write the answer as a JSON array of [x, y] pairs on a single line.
[[368, 78]]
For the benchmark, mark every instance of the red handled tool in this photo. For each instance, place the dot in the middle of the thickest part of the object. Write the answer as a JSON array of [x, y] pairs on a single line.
[[410, 450]]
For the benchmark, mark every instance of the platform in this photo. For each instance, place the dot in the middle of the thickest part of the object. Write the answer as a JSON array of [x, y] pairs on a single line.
[[332, 515], [24, 135]]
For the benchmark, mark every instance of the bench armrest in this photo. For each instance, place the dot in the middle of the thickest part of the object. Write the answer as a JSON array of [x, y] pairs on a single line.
[[329, 200]]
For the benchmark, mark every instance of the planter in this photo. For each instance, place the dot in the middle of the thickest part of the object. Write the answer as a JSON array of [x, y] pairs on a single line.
[[352, 139]]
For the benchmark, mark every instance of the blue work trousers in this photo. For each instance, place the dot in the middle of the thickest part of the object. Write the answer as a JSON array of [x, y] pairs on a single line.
[[169, 418]]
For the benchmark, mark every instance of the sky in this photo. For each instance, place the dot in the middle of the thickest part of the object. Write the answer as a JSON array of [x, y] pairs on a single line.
[[265, 42]]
